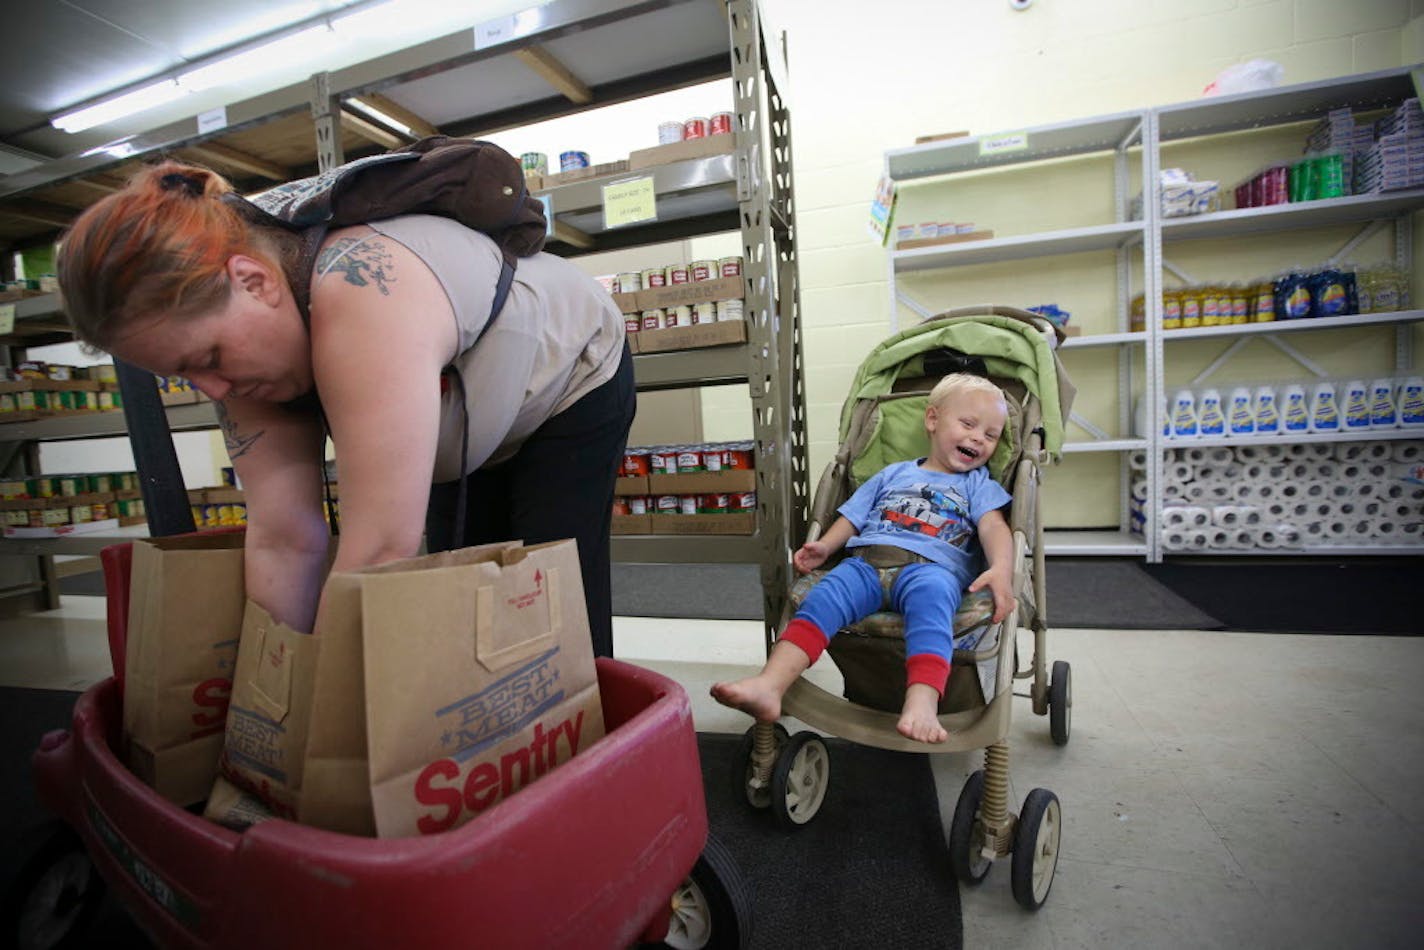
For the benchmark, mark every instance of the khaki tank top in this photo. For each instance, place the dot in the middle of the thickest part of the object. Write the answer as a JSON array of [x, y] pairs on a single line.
[[559, 337]]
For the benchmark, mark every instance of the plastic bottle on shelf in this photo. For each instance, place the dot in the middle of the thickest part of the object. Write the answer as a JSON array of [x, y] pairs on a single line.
[[1210, 419], [1171, 309], [1211, 305], [1324, 408], [1356, 406], [1384, 414], [1241, 419], [1191, 307], [1267, 413], [1240, 303], [1295, 413], [1384, 296], [1184, 415], [1263, 307], [1411, 401]]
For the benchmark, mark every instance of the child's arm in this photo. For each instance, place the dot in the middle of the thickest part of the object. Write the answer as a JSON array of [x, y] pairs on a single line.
[[998, 543], [813, 554]]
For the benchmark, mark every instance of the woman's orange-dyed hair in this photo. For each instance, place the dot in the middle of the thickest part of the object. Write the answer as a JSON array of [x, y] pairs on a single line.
[[159, 246]]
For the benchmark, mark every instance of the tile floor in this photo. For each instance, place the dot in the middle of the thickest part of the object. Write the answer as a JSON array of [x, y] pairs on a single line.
[[1220, 790]]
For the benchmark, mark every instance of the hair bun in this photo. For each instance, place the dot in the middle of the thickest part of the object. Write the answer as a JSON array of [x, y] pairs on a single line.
[[179, 181]]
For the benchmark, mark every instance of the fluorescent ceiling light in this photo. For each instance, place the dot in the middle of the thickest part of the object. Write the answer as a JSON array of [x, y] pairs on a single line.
[[107, 111], [309, 43], [360, 105]]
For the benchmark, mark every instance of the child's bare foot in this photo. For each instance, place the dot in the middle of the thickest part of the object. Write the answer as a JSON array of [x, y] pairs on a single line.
[[756, 696], [919, 717]]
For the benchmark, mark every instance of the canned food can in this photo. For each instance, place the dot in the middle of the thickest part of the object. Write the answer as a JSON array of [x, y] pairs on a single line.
[[241, 513], [712, 458], [71, 485], [536, 162], [743, 501], [100, 511], [227, 515], [81, 514], [44, 488], [720, 124], [729, 310], [101, 482], [678, 274], [212, 516], [229, 476], [694, 128], [653, 277], [669, 132], [667, 505], [739, 456], [632, 322], [570, 161], [687, 504], [704, 312], [18, 518], [14, 488], [637, 504], [663, 460], [628, 282], [702, 270], [636, 462], [653, 319], [689, 459], [713, 504], [620, 506], [679, 316], [730, 266], [54, 517]]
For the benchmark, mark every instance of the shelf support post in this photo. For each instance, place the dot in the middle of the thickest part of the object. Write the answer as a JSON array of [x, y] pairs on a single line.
[[326, 117]]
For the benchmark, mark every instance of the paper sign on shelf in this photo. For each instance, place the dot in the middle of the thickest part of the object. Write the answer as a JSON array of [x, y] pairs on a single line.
[[212, 120], [548, 203], [494, 32], [1007, 142], [7, 317], [630, 201]]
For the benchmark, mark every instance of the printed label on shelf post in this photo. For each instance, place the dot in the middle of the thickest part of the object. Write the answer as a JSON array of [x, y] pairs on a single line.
[[7, 318]]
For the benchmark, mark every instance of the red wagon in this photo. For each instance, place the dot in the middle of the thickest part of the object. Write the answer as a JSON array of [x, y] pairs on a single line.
[[610, 849]]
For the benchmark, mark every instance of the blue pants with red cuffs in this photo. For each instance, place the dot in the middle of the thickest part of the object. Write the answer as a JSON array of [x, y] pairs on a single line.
[[927, 595]]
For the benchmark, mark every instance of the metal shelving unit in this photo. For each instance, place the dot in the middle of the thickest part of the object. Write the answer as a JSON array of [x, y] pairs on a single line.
[[1152, 129], [622, 49]]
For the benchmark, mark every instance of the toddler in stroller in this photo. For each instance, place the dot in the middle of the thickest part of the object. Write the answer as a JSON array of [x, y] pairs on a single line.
[[922, 514]]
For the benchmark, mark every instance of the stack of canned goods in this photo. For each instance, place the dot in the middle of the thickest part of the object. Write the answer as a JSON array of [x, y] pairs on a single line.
[[57, 500], [687, 459], [697, 127], [219, 515], [682, 315]]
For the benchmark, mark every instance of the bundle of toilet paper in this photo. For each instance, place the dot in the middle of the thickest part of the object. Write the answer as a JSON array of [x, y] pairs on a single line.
[[1267, 497]]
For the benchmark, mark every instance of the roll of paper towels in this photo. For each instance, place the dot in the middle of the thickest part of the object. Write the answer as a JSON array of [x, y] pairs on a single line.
[[1407, 452]]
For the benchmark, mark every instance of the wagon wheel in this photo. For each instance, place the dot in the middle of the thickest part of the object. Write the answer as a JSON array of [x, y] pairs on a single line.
[[1060, 702], [1036, 848], [800, 779], [969, 865], [712, 908], [742, 788], [55, 896]]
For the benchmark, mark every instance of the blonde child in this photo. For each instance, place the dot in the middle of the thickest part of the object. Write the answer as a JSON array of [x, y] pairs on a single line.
[[932, 508]]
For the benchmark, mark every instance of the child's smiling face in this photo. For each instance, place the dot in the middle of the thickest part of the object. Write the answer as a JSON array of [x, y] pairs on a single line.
[[964, 430]]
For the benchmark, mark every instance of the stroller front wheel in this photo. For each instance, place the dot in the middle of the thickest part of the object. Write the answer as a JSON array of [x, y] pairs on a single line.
[[1036, 843], [800, 779]]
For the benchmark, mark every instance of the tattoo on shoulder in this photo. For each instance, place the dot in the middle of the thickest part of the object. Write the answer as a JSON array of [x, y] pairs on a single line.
[[362, 262], [237, 443]]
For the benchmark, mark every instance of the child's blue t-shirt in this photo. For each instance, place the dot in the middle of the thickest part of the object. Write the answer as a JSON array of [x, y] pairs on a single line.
[[934, 514]]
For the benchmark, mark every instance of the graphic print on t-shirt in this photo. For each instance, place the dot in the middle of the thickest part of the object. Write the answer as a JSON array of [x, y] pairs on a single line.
[[941, 513]]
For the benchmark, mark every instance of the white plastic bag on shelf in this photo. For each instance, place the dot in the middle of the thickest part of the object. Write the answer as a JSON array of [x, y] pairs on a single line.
[[1246, 77]]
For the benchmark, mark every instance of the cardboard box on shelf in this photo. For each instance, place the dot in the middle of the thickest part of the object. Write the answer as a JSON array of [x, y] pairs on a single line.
[[585, 174], [946, 239], [627, 303], [631, 485], [742, 522], [688, 338], [704, 147], [693, 483], [699, 291], [923, 139], [632, 524]]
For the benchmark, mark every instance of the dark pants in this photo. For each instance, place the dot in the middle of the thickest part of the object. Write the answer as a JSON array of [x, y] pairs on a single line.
[[558, 485]]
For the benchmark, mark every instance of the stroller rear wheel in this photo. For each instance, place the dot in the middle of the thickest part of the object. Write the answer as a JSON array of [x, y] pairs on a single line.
[[1036, 848], [800, 779], [970, 866], [744, 787], [1060, 702]]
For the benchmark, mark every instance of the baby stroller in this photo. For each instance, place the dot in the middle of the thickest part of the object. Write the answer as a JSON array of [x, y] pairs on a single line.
[[882, 422]]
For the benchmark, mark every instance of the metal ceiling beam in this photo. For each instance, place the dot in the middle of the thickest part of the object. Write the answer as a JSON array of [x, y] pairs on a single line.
[[243, 161], [548, 68], [28, 209]]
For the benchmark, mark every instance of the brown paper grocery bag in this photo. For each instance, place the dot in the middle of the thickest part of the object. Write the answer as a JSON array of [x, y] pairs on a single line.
[[271, 705], [336, 775], [185, 614], [479, 680]]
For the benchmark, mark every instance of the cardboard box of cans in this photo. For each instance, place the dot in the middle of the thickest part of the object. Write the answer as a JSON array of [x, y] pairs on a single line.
[[62, 501], [707, 488], [705, 147]]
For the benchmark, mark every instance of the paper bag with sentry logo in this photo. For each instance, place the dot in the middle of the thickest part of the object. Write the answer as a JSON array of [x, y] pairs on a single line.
[[271, 707], [479, 680], [336, 772], [186, 600]]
